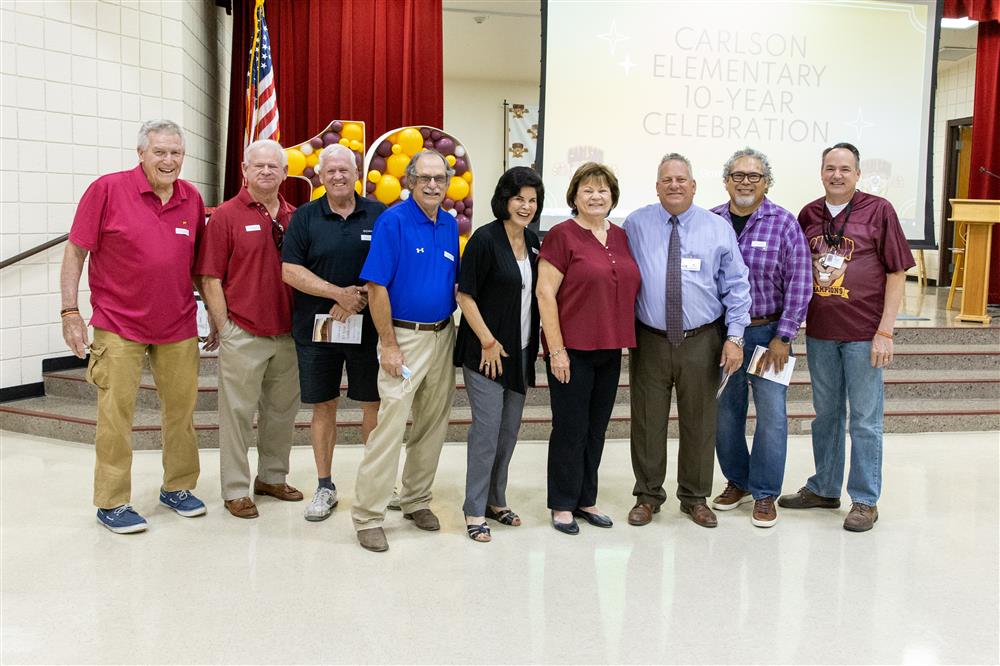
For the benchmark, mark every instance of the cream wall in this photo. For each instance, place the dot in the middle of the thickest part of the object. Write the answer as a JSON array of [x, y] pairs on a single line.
[[473, 113], [76, 80], [956, 85]]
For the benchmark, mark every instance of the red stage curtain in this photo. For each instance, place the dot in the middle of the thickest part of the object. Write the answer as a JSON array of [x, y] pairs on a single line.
[[977, 10], [378, 61]]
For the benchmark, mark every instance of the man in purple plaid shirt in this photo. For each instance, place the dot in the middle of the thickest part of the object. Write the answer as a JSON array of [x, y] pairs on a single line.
[[777, 254]]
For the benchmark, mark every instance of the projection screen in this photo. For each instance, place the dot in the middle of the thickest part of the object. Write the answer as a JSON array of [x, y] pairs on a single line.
[[625, 82]]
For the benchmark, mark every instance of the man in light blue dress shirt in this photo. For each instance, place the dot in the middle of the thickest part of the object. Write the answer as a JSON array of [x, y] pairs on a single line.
[[688, 345]]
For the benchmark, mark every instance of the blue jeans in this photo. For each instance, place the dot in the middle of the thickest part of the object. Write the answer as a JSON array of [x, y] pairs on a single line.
[[760, 471], [842, 373]]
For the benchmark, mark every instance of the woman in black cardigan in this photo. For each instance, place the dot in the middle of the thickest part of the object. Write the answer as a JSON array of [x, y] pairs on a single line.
[[498, 342]]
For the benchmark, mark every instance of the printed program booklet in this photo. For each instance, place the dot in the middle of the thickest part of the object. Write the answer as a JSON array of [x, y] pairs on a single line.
[[328, 329], [783, 377]]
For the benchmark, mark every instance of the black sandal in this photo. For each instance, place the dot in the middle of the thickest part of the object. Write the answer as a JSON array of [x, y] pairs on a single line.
[[504, 517], [478, 531]]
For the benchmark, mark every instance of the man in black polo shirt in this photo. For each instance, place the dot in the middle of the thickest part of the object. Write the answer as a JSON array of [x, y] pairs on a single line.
[[324, 251]]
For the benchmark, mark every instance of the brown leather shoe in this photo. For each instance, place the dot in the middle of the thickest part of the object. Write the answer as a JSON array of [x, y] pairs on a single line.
[[373, 539], [861, 518], [281, 491], [242, 507], [731, 497], [642, 514], [764, 514], [701, 514], [806, 499], [424, 519]]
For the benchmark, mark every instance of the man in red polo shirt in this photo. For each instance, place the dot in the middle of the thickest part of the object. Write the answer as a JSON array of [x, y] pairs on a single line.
[[140, 228], [239, 263]]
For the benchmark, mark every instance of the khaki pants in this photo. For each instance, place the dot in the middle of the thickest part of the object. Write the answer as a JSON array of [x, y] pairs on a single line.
[[256, 374], [429, 393], [115, 368]]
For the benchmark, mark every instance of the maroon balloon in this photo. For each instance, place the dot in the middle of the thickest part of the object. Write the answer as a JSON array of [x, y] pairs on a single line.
[[464, 225], [370, 187], [445, 146], [329, 138], [316, 142], [460, 166], [428, 144], [336, 126], [384, 149], [315, 181], [309, 172], [468, 202], [425, 132], [459, 207], [359, 159], [435, 135], [448, 204], [468, 210], [378, 164]]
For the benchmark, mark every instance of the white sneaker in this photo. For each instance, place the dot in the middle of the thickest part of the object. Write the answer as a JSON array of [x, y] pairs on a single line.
[[394, 501], [321, 505]]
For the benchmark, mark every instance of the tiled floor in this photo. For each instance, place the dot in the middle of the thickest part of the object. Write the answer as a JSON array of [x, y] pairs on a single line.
[[921, 588]]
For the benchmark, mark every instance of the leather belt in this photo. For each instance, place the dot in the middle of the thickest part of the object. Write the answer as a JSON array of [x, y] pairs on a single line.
[[687, 334], [420, 326], [766, 319]]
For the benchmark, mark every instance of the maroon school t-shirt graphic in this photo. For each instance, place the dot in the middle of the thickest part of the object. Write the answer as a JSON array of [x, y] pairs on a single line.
[[828, 280]]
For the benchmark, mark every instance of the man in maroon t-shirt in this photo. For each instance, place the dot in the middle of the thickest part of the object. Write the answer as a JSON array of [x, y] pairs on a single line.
[[239, 262], [860, 258], [140, 228]]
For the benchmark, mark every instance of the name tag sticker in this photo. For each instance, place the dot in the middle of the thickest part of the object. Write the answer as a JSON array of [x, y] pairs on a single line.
[[761, 244], [449, 256], [182, 232], [832, 260], [690, 264], [366, 237], [252, 227], [534, 250]]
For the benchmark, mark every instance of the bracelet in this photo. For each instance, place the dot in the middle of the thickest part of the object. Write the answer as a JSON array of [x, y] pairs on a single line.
[[68, 311], [884, 334], [492, 344], [556, 352]]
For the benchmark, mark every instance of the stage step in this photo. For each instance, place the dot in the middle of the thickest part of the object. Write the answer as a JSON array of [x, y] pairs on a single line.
[[942, 379]]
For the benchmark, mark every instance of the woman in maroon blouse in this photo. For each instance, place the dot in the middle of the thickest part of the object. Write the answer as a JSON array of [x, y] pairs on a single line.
[[587, 285]]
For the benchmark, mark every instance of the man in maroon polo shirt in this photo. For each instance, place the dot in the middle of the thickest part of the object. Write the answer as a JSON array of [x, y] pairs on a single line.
[[239, 263], [140, 228]]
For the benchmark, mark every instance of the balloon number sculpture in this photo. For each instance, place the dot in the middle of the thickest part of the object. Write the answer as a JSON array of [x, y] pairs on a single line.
[[385, 169], [303, 159], [384, 166]]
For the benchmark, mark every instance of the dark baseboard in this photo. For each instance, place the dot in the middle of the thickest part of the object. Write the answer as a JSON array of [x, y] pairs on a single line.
[[63, 363], [23, 391]]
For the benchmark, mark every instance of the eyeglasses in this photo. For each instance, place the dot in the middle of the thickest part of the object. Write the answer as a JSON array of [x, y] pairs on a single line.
[[424, 180], [739, 177], [277, 234]]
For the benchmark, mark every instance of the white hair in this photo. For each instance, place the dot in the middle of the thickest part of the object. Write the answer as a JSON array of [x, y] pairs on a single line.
[[159, 126], [265, 144], [337, 149]]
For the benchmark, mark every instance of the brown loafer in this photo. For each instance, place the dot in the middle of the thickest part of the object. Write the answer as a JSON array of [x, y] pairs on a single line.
[[700, 514], [373, 539], [642, 514], [424, 519], [281, 491], [861, 518], [242, 507]]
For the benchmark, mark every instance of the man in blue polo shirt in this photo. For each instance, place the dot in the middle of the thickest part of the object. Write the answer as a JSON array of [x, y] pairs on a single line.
[[411, 272]]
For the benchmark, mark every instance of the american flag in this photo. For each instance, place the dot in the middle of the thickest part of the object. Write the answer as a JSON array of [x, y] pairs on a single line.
[[262, 95]]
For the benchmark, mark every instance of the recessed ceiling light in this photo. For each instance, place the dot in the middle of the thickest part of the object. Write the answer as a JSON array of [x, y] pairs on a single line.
[[958, 23]]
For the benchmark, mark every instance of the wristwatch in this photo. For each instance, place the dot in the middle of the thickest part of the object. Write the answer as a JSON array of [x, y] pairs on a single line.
[[736, 340], [785, 339]]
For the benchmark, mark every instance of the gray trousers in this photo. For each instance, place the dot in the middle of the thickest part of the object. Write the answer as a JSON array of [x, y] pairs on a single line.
[[496, 419]]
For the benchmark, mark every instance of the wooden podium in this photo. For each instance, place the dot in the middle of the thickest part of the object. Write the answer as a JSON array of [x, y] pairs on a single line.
[[979, 215]]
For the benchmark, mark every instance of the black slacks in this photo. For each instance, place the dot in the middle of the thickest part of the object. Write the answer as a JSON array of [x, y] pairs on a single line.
[[581, 410]]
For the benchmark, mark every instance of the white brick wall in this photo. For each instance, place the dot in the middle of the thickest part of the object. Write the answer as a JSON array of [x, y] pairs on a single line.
[[956, 85], [77, 77]]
